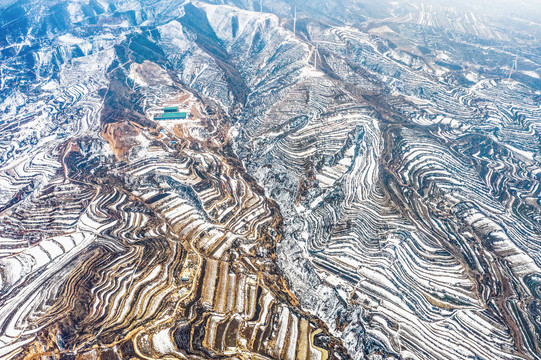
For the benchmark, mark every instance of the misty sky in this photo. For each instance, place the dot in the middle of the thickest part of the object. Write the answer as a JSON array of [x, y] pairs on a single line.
[[530, 9]]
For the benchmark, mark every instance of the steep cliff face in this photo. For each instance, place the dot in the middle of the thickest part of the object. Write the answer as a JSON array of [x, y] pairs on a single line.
[[359, 182]]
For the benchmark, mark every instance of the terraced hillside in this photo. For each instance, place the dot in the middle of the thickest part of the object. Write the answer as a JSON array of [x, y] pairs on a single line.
[[346, 180]]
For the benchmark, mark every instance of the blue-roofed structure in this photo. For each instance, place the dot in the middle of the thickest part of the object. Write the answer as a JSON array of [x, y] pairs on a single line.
[[171, 113]]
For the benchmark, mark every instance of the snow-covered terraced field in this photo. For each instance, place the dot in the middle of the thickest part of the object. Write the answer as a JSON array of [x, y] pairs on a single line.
[[346, 182]]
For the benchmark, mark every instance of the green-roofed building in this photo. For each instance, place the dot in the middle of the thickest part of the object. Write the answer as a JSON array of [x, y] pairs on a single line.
[[170, 109], [172, 116]]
